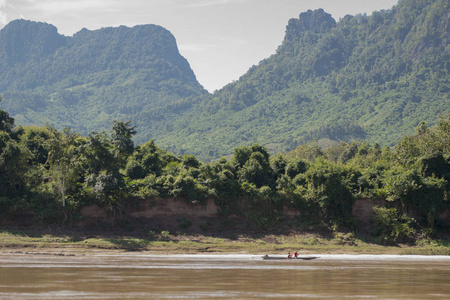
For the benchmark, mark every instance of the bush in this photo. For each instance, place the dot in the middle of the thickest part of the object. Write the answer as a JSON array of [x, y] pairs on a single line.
[[185, 223], [390, 226]]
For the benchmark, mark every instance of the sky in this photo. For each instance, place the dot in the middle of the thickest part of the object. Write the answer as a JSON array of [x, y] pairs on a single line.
[[221, 39]]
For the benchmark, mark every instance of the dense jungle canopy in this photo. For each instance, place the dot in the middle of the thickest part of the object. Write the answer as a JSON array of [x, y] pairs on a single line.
[[55, 173]]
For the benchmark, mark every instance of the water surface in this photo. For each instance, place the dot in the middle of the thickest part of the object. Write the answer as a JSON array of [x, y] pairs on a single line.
[[223, 277]]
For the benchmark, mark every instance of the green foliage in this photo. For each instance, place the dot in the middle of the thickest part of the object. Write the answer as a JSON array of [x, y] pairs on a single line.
[[185, 223], [121, 135], [63, 162], [435, 165], [223, 185], [12, 166], [97, 153], [296, 167], [6, 122], [365, 77], [143, 189], [105, 187], [309, 152], [94, 77], [327, 191], [253, 165], [55, 173], [390, 226], [399, 185]]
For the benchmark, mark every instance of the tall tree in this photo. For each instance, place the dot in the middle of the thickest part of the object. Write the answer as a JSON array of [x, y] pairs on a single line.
[[122, 134], [63, 159]]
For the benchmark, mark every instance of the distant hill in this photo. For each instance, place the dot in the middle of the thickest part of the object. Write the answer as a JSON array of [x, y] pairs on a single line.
[[92, 78], [364, 77]]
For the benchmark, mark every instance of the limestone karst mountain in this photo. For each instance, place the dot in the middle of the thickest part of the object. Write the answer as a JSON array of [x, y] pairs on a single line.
[[362, 77]]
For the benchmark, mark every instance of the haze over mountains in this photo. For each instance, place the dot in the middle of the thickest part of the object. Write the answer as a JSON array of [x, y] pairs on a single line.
[[364, 77]]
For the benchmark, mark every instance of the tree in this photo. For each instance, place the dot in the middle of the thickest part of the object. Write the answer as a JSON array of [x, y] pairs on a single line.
[[97, 154], [253, 165], [122, 134], [34, 139], [279, 165], [12, 165], [327, 191], [6, 122], [295, 167], [63, 159]]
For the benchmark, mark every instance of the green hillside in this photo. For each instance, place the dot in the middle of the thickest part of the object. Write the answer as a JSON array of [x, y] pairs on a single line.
[[364, 77], [92, 78]]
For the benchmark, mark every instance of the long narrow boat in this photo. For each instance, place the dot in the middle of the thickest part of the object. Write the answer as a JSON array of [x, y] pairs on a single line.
[[285, 257]]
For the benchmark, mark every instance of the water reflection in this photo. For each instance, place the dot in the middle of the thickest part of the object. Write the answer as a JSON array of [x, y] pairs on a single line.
[[222, 277]]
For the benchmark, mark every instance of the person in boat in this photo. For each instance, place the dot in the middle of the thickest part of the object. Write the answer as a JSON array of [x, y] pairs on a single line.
[[295, 254], [289, 255]]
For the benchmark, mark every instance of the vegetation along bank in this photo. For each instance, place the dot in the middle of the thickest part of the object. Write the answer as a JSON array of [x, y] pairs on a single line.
[[52, 175]]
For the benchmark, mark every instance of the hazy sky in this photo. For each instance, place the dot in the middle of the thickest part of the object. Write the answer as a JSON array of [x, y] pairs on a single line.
[[221, 39]]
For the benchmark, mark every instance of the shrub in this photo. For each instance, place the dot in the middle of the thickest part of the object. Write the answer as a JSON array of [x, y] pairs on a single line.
[[390, 226], [185, 223]]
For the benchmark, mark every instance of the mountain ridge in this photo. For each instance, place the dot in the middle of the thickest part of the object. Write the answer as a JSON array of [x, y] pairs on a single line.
[[365, 77], [94, 69], [376, 75]]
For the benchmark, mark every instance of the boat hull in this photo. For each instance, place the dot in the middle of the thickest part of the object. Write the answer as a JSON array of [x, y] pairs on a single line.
[[266, 257]]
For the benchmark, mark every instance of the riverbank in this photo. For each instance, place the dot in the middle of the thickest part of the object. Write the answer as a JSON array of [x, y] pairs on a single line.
[[54, 242]]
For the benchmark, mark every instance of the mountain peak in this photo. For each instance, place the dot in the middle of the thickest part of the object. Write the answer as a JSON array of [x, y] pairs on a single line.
[[93, 77], [23, 40], [315, 21]]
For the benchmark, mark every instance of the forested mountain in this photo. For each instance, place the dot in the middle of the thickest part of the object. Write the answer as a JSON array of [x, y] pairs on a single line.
[[92, 78], [372, 77], [364, 77]]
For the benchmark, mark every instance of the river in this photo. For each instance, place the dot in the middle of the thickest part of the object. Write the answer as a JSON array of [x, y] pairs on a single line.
[[24, 276]]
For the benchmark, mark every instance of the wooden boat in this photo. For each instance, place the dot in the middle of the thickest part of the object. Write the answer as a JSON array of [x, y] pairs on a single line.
[[285, 257]]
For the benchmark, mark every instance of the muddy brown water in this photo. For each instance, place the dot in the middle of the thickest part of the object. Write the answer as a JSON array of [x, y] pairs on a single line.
[[25, 276]]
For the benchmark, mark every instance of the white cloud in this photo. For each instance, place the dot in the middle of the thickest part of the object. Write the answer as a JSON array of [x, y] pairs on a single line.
[[206, 3], [69, 6], [52, 7], [3, 15]]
